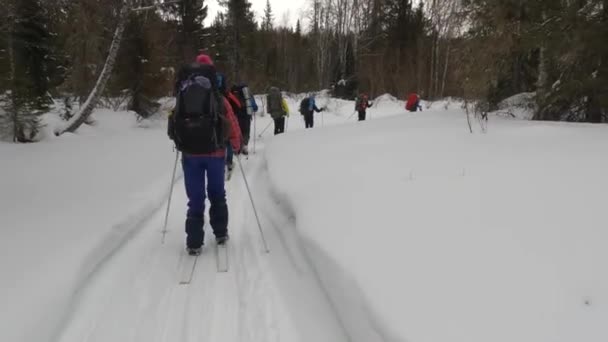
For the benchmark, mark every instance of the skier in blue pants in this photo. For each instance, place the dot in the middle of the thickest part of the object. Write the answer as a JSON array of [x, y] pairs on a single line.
[[203, 159]]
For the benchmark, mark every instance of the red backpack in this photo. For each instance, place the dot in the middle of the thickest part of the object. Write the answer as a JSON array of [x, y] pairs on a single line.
[[412, 99]]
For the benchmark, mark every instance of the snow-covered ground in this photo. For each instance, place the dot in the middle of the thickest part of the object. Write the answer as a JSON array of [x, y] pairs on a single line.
[[422, 231], [402, 228], [67, 205]]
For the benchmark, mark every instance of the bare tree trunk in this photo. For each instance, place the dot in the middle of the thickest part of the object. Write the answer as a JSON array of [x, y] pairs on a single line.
[[445, 70], [11, 55], [323, 49], [433, 52], [543, 74], [437, 68], [12, 72], [85, 111], [543, 78], [421, 64], [236, 57]]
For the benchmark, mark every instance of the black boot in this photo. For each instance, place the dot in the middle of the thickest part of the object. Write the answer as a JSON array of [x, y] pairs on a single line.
[[194, 251], [221, 240], [195, 235]]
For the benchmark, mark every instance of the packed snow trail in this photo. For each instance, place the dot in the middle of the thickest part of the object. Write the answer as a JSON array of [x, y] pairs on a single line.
[[96, 211], [136, 296]]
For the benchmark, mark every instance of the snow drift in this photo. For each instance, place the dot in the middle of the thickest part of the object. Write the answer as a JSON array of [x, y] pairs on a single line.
[[424, 232]]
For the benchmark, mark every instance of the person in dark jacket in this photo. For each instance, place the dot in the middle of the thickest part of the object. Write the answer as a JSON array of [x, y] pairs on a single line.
[[277, 108], [211, 166], [309, 110], [244, 112]]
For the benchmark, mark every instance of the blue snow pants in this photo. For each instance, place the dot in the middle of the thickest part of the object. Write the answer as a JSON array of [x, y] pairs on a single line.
[[196, 169]]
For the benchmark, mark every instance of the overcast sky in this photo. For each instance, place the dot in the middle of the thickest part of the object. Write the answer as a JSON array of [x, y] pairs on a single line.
[[280, 8]]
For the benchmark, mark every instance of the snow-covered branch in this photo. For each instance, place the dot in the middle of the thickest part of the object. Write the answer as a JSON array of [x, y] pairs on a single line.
[[155, 6]]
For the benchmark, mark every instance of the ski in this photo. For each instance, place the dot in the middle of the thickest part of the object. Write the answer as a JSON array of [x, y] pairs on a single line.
[[187, 268], [221, 254]]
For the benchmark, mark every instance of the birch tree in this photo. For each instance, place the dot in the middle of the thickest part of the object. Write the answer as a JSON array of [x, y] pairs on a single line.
[[93, 98], [89, 105]]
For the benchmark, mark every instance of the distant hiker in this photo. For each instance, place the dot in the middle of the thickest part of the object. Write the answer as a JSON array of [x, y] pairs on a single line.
[[246, 109], [277, 108], [202, 122], [308, 107], [413, 103], [361, 105]]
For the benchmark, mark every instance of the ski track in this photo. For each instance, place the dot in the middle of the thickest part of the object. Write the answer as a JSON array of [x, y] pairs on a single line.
[[134, 295], [120, 235]]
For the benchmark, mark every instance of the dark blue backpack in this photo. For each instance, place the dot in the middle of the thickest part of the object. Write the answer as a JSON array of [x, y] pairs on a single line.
[[304, 104], [199, 125]]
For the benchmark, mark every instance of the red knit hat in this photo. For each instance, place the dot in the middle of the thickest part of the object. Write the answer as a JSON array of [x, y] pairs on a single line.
[[204, 59]]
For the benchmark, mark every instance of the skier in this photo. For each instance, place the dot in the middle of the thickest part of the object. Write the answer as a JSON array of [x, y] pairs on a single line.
[[202, 122], [413, 103], [361, 105], [308, 107], [277, 108], [247, 107]]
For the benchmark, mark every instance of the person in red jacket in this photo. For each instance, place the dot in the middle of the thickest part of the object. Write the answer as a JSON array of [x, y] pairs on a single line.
[[361, 105], [413, 102], [203, 156]]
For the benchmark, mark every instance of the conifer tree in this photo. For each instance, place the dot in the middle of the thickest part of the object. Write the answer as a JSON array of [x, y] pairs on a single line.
[[267, 23], [29, 45]]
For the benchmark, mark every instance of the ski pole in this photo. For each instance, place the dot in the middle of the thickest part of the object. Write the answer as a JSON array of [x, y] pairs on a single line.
[[257, 218], [270, 123], [287, 124], [170, 196], [351, 115], [254, 131]]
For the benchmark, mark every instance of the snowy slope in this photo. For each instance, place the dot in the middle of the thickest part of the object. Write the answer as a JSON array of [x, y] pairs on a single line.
[[424, 232], [67, 204]]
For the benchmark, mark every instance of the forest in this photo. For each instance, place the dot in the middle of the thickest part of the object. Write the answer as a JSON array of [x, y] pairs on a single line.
[[88, 53]]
